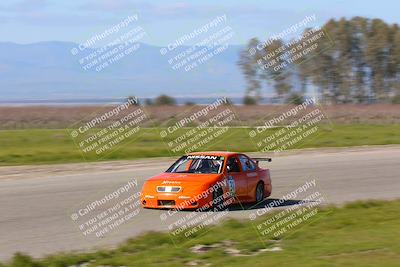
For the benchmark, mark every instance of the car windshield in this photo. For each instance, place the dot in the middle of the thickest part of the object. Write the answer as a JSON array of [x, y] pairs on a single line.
[[197, 164]]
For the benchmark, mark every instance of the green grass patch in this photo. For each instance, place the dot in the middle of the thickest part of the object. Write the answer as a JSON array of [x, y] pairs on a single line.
[[41, 146], [358, 234]]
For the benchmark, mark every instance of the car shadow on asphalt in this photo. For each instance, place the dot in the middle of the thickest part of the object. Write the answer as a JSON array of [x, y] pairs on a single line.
[[278, 203], [269, 202]]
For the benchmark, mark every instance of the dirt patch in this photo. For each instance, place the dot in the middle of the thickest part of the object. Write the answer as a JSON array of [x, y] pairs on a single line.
[[229, 248]]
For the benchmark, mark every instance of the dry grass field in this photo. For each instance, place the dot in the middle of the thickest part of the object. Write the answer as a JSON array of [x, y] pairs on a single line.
[[52, 117]]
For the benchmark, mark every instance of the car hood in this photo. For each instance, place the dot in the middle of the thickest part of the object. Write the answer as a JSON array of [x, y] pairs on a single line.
[[184, 178]]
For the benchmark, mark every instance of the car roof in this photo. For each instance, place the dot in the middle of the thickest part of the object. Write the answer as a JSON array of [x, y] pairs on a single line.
[[214, 153]]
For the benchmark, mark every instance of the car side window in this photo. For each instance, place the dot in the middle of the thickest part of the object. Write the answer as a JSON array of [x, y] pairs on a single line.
[[233, 165], [247, 164]]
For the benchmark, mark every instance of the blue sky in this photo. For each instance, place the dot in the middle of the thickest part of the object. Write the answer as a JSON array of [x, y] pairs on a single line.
[[28, 21]]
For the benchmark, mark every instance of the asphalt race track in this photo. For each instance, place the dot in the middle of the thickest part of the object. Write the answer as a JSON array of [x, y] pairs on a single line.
[[36, 202]]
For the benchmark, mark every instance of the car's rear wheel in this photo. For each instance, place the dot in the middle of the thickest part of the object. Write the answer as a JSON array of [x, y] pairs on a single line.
[[260, 192]]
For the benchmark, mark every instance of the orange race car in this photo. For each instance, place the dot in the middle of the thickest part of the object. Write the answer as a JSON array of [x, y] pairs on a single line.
[[205, 180]]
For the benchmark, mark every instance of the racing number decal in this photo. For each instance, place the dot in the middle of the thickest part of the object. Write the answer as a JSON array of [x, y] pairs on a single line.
[[231, 186]]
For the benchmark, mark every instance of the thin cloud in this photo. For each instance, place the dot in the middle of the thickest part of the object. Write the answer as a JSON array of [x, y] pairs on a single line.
[[26, 6], [113, 5]]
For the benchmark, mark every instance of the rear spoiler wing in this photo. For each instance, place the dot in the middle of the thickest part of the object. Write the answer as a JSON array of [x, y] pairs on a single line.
[[257, 160]]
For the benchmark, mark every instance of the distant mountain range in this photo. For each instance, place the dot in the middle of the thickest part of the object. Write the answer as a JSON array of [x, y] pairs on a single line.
[[48, 70]]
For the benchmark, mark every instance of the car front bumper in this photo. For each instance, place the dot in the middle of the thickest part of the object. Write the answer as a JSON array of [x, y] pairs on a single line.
[[172, 201]]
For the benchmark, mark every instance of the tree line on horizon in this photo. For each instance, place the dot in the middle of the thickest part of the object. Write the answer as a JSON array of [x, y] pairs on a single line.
[[361, 66]]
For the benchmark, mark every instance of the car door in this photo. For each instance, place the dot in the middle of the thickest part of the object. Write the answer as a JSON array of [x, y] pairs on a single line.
[[250, 174], [236, 179]]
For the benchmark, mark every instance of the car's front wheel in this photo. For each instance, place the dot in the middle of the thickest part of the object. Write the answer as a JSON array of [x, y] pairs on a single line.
[[218, 199]]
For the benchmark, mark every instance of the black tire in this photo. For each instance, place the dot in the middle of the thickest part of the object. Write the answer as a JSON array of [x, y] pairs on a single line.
[[218, 199], [259, 192]]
